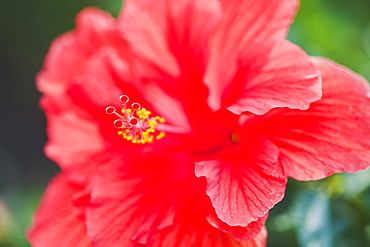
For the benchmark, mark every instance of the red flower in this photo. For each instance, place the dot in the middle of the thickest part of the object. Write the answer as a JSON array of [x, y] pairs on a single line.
[[244, 110]]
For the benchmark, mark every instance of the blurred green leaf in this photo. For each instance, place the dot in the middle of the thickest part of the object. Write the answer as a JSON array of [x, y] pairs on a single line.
[[321, 221], [347, 223], [312, 218], [356, 183]]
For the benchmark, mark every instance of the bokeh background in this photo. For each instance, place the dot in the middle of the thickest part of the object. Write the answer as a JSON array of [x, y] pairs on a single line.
[[334, 212]]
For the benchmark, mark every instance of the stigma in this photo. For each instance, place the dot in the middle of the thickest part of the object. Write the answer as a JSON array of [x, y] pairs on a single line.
[[134, 123]]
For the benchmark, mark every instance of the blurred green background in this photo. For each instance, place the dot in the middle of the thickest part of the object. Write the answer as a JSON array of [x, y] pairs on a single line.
[[334, 212]]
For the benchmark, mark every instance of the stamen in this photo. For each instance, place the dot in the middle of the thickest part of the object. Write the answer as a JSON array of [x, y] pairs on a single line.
[[135, 124]]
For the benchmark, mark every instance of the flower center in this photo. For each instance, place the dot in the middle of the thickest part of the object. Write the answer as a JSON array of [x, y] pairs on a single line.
[[135, 124]]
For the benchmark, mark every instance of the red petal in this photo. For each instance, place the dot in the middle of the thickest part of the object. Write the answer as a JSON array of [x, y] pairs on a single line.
[[167, 33], [56, 222], [245, 23], [259, 241], [206, 238], [169, 48], [76, 95], [240, 233], [244, 187], [73, 134], [81, 59], [153, 201], [255, 21], [332, 135], [91, 61], [69, 53], [72, 137], [135, 199], [273, 74]]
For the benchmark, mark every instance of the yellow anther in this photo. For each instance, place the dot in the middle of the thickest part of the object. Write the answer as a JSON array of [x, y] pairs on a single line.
[[151, 139], [151, 123], [135, 124], [160, 136]]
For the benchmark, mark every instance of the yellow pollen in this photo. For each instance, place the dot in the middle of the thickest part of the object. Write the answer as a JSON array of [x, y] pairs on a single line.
[[160, 136], [135, 124]]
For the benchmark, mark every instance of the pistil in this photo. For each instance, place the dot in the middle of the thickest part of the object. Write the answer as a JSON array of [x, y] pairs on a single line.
[[135, 123]]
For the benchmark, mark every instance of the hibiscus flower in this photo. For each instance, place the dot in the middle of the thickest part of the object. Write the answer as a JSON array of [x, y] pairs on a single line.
[[179, 123]]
